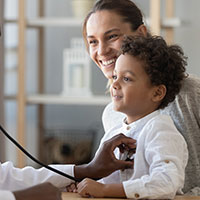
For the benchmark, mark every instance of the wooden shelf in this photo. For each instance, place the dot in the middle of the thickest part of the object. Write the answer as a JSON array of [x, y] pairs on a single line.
[[50, 21], [171, 23], [76, 22], [61, 99], [167, 23], [47, 22]]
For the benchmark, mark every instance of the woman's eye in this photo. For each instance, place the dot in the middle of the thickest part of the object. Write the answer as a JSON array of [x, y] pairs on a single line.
[[113, 36], [114, 77], [91, 42]]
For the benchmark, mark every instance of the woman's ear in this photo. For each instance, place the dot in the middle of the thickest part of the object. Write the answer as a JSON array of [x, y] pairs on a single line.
[[159, 93], [142, 30]]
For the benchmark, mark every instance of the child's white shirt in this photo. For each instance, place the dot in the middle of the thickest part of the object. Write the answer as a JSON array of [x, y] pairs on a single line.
[[160, 159]]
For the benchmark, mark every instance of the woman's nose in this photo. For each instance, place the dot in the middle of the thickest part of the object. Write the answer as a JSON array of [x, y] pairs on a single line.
[[103, 49]]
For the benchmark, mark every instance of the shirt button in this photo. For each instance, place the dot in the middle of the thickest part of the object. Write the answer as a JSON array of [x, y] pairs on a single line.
[[128, 128], [166, 161], [137, 195]]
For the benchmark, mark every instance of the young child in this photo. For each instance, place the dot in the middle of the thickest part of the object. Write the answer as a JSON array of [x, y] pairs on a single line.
[[147, 76]]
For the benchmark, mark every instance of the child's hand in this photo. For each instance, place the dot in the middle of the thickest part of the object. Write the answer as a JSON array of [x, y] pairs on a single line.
[[90, 188], [72, 188]]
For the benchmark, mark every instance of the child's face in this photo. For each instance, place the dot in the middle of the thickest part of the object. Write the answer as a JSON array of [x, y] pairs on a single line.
[[132, 91]]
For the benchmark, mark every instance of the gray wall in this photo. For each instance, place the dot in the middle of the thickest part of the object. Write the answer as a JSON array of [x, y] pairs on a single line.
[[188, 34]]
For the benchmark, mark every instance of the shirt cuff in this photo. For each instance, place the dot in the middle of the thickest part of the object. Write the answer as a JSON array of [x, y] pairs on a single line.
[[136, 192], [6, 195], [68, 169]]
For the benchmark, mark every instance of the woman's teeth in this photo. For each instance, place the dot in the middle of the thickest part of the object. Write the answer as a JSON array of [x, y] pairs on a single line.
[[108, 62]]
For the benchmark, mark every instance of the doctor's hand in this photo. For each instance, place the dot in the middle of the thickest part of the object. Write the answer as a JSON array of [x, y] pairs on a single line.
[[105, 162], [44, 191]]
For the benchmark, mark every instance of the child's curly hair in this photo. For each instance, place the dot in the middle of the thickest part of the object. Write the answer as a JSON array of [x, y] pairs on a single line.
[[165, 65]]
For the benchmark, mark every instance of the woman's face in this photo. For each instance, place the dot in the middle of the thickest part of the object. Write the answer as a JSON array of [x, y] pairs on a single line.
[[105, 30]]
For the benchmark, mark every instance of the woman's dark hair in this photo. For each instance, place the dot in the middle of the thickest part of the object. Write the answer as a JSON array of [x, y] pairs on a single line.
[[165, 65], [125, 8]]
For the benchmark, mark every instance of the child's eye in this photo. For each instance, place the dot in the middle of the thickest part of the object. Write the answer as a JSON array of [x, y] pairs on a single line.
[[114, 77], [126, 79]]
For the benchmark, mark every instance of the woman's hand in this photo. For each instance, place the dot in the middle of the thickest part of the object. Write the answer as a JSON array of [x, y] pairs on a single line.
[[44, 191]]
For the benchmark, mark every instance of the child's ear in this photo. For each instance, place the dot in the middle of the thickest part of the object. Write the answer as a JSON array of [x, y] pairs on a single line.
[[159, 93]]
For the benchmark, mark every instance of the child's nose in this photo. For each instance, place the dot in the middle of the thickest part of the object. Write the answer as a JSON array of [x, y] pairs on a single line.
[[116, 85]]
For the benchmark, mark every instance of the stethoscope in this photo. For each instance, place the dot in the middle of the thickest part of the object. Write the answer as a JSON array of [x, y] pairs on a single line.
[[34, 159]]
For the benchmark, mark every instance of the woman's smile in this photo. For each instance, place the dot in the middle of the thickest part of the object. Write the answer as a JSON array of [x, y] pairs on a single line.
[[107, 63]]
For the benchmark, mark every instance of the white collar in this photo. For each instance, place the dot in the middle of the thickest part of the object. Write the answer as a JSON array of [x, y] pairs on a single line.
[[137, 125]]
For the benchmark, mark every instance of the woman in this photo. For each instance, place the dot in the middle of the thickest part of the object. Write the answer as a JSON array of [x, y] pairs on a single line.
[[103, 31]]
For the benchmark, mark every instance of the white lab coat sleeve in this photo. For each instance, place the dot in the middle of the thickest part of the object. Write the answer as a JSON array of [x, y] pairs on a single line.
[[12, 178]]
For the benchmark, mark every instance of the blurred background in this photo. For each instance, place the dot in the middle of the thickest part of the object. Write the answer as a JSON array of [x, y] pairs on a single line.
[[61, 92]]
